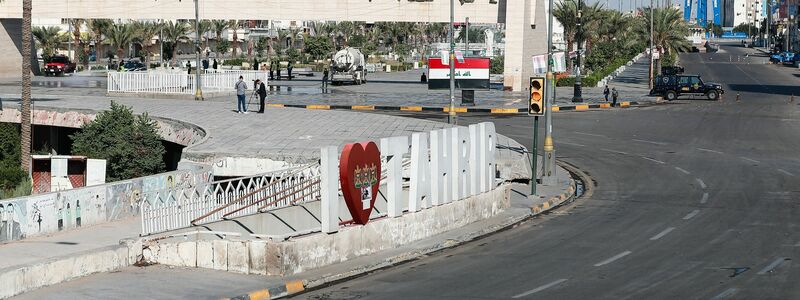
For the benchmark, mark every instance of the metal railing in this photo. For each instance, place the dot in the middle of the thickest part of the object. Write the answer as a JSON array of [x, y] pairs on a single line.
[[178, 208], [169, 82]]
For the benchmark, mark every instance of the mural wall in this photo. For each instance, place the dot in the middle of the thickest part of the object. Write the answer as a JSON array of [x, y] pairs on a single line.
[[52, 212]]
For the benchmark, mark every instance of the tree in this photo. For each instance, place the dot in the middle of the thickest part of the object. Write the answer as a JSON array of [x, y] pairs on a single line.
[[204, 27], [565, 12], [748, 28], [219, 26], [145, 33], [97, 30], [121, 36], [234, 25], [77, 42], [49, 40], [25, 152], [319, 47], [669, 31], [10, 173], [175, 32], [130, 144]]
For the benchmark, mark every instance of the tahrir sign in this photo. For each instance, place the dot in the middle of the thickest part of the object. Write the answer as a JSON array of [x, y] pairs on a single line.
[[445, 165]]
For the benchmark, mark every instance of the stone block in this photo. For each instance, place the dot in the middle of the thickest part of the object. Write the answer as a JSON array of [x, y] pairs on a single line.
[[238, 257], [205, 254], [187, 254], [258, 257], [220, 255]]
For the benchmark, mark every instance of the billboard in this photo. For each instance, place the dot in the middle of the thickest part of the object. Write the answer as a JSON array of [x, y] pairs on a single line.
[[471, 74]]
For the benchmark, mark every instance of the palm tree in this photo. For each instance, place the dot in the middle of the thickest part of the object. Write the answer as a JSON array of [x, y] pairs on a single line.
[[98, 29], [145, 33], [175, 32], [234, 25], [669, 32], [25, 153], [49, 39], [204, 27], [120, 36], [565, 12], [77, 42]]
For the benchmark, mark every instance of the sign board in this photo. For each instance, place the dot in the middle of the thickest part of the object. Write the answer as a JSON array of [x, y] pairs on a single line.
[[472, 74], [656, 54], [360, 177]]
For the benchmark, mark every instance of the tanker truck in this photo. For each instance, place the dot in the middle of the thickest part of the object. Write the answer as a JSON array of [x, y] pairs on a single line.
[[348, 65]]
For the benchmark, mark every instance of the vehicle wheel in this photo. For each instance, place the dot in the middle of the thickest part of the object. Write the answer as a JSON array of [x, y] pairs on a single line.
[[712, 95], [671, 95]]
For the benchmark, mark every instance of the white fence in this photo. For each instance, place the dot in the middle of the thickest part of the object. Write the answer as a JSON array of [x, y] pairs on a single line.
[[167, 82], [177, 208]]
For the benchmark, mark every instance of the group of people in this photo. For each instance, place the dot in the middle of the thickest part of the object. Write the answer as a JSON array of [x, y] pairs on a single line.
[[614, 95], [276, 67], [241, 95]]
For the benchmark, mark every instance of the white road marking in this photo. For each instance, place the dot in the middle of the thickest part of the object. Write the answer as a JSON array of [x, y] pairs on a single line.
[[650, 142], [614, 151], [771, 266], [663, 233], [709, 150], [682, 170], [785, 172], [612, 259], [590, 134], [797, 245], [568, 143], [541, 288], [749, 159], [705, 198], [692, 214], [653, 160], [727, 293], [700, 181]]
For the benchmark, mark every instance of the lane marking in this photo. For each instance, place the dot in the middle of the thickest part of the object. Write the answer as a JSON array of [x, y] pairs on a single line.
[[709, 150], [749, 159], [692, 214], [797, 245], [769, 268], [568, 143], [614, 151], [727, 293], [700, 181], [705, 198], [541, 288], [785, 172], [612, 259], [650, 142], [663, 233], [653, 160], [590, 134], [682, 170]]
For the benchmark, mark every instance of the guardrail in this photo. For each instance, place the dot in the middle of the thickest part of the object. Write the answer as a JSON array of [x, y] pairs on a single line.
[[168, 82], [177, 208]]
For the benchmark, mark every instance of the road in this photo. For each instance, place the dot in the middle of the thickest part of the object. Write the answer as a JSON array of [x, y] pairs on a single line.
[[693, 200]]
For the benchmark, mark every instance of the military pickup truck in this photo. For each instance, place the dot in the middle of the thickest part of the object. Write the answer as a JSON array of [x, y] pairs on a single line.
[[673, 86]]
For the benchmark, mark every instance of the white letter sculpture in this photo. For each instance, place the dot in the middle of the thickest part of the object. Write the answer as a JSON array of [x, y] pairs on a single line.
[[394, 148], [418, 193]]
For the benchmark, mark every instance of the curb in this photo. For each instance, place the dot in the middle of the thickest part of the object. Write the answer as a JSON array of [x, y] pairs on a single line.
[[294, 287], [579, 107]]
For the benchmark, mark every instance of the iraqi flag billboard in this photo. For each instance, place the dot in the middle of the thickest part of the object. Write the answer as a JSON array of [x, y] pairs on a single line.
[[471, 74]]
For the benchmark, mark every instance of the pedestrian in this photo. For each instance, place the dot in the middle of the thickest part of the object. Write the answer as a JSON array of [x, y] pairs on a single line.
[[614, 95], [325, 74], [189, 67], [605, 92], [272, 71], [121, 65], [241, 91], [255, 64], [289, 71], [278, 69], [423, 78], [215, 64], [261, 89], [205, 64]]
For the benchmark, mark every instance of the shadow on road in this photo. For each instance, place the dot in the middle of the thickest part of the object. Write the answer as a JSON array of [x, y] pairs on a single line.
[[766, 89]]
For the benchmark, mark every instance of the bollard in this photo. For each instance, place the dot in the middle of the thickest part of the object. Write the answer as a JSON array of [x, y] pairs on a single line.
[[791, 99], [737, 97]]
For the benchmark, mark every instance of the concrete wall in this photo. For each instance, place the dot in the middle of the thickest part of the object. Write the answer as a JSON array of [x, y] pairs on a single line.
[[336, 10], [65, 210], [11, 48], [318, 250], [526, 36]]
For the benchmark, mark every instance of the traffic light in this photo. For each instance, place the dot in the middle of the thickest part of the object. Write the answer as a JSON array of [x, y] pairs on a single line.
[[536, 101]]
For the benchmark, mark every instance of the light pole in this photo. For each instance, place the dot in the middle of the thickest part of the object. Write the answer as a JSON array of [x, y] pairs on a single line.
[[161, 42], [198, 95], [576, 91], [548, 159], [650, 83], [451, 114]]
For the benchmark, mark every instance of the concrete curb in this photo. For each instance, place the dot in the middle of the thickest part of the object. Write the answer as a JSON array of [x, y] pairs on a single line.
[[498, 110], [300, 286]]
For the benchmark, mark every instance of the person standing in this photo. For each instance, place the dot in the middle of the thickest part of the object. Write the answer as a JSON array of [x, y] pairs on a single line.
[[614, 95], [205, 65], [289, 71], [189, 68], [278, 70], [261, 89], [215, 65], [241, 90], [605, 92], [271, 70], [325, 74]]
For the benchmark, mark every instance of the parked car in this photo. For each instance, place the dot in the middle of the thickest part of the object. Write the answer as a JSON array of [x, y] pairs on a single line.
[[673, 86], [131, 66], [785, 57], [58, 65]]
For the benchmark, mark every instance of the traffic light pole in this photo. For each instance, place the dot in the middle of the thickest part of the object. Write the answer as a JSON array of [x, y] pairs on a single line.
[[451, 114], [535, 154]]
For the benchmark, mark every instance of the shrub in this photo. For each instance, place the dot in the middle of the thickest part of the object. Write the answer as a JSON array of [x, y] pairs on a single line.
[[496, 65], [130, 144]]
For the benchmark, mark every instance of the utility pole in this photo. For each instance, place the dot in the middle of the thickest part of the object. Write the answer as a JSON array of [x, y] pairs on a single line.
[[198, 95], [650, 83], [451, 114], [576, 90], [161, 42], [466, 37], [548, 176]]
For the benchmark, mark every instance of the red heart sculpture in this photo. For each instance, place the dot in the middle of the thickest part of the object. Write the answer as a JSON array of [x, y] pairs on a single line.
[[360, 177]]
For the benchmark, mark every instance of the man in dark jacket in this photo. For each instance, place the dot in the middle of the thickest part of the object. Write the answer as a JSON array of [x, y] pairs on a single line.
[[261, 89]]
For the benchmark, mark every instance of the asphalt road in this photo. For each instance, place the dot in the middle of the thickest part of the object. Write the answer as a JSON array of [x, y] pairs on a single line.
[[693, 200]]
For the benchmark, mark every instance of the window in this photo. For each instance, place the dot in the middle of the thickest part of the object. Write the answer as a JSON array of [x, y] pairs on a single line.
[[696, 80], [683, 81]]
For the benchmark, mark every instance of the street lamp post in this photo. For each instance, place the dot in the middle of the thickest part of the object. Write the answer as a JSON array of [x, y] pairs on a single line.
[[576, 96], [451, 114], [650, 83], [198, 95], [548, 159]]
